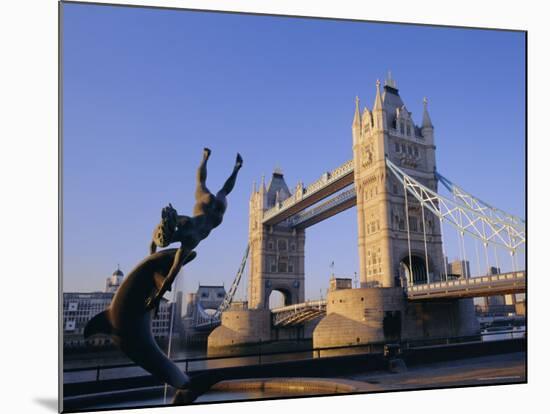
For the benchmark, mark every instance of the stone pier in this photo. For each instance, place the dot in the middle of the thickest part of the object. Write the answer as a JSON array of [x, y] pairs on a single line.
[[383, 315]]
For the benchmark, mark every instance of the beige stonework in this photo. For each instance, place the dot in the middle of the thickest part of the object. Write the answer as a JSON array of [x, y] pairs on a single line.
[[399, 243], [240, 327], [389, 131], [383, 315], [356, 316], [276, 252]]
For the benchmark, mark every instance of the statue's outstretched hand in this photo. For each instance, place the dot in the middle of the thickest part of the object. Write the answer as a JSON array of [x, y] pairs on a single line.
[[153, 302], [239, 161]]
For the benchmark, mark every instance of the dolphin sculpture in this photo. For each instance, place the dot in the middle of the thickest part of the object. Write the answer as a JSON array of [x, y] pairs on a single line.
[[128, 322]]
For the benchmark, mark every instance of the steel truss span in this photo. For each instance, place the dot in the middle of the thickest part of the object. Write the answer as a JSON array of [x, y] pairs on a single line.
[[467, 213]]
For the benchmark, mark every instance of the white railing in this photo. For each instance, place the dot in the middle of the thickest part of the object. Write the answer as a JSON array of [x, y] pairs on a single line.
[[327, 179], [450, 286], [298, 313], [298, 306]]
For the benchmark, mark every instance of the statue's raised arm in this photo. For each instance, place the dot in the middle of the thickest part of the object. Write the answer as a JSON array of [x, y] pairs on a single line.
[[190, 231]]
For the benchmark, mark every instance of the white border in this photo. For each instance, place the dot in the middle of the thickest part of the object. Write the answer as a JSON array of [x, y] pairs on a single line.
[[28, 163]]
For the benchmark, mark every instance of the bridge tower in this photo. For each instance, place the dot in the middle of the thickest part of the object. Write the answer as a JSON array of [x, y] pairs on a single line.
[[276, 252], [385, 259], [399, 241]]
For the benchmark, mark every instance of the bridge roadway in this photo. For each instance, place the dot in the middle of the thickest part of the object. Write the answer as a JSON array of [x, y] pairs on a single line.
[[299, 313], [501, 284]]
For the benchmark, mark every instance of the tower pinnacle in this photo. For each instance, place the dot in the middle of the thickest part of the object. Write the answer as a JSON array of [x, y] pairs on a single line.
[[357, 116], [426, 121], [378, 99]]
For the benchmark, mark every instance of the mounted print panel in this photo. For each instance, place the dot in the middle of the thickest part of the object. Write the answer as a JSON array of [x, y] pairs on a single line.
[[261, 206]]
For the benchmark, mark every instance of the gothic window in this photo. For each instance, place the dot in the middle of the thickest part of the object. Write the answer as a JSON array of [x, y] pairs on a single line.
[[273, 267], [413, 223], [409, 130], [270, 245], [292, 247], [282, 266], [416, 151], [403, 149], [290, 268], [401, 224], [402, 127], [281, 245], [396, 147], [410, 150]]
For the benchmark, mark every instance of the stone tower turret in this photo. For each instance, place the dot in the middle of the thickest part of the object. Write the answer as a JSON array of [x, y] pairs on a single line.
[[382, 228], [276, 252]]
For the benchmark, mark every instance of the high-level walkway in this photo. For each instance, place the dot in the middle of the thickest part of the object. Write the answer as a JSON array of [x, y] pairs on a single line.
[[328, 184]]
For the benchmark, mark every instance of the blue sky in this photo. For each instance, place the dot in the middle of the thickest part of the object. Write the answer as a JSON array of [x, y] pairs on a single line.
[[144, 90]]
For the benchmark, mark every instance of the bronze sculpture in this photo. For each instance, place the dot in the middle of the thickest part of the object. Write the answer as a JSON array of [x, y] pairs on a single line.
[[128, 318], [128, 322], [189, 231]]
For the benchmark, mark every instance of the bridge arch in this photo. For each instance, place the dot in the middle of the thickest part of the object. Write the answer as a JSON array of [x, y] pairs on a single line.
[[281, 293], [412, 269]]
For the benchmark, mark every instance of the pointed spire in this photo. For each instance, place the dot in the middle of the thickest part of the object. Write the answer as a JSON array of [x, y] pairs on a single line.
[[357, 116], [426, 121], [254, 187], [262, 185], [378, 100]]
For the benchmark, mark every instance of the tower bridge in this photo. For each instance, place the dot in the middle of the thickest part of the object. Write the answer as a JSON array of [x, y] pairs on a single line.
[[405, 289]]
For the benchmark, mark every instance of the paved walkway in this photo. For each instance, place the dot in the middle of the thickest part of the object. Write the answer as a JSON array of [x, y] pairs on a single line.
[[495, 369]]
